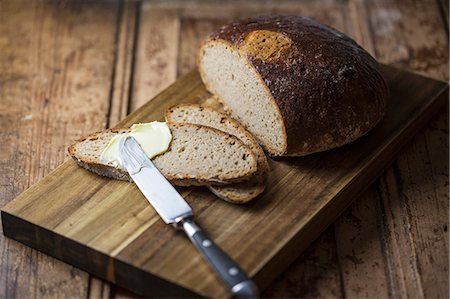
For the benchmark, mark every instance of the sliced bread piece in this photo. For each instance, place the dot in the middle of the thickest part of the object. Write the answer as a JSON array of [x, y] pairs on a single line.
[[205, 116], [198, 155], [196, 114], [240, 193]]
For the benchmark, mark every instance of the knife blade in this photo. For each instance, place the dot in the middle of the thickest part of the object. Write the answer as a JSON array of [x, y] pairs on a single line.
[[173, 209]]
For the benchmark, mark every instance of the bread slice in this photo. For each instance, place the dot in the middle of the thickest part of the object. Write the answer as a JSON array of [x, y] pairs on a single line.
[[297, 85], [240, 193], [198, 155], [196, 114]]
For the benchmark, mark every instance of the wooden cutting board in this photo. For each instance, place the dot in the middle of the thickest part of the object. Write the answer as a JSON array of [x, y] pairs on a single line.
[[107, 228]]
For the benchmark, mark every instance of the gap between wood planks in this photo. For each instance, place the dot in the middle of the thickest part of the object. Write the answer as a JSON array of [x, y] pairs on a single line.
[[121, 91], [124, 61], [143, 67], [443, 7], [52, 90]]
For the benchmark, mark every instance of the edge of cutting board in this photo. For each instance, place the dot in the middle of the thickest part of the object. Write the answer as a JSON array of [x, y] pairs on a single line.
[[111, 268], [90, 260]]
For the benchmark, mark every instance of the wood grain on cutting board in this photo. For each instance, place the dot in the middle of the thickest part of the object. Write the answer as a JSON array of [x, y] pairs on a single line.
[[107, 227]]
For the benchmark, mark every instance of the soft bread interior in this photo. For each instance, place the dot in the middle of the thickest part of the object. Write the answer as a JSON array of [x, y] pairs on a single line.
[[195, 114], [227, 74], [200, 115], [198, 151], [198, 155]]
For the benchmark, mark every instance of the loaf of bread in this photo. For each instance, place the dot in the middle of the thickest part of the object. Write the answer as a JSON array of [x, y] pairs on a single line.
[[198, 155], [195, 114], [298, 86]]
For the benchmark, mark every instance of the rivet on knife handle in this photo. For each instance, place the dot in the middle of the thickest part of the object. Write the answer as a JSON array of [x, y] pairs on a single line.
[[234, 277], [173, 209]]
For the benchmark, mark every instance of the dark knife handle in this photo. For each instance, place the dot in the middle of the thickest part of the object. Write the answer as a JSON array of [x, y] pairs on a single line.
[[232, 275]]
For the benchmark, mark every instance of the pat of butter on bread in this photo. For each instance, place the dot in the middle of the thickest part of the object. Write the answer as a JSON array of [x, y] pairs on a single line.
[[154, 138], [198, 155]]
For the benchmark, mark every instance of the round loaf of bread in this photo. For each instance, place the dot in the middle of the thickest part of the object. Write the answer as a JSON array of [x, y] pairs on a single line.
[[297, 85]]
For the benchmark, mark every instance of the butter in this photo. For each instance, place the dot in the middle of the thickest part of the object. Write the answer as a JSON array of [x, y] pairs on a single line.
[[154, 138]]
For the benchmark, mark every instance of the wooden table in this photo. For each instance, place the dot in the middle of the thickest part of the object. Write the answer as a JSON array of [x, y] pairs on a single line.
[[70, 68]]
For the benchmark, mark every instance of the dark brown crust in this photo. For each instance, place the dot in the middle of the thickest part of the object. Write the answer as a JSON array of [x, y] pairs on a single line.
[[231, 193], [329, 90]]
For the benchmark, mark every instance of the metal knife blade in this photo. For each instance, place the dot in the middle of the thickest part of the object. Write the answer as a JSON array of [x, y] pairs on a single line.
[[173, 209], [159, 192]]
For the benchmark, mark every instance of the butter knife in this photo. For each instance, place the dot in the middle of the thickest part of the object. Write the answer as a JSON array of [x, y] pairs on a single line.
[[173, 209]]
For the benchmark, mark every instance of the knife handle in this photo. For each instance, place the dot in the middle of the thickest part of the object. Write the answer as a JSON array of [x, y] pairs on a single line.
[[237, 281]]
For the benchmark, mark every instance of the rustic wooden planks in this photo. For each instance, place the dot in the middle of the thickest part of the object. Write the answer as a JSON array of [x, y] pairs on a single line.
[[54, 86], [87, 220], [387, 29], [156, 55], [315, 273], [397, 38]]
